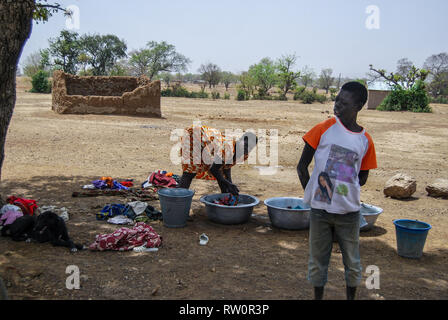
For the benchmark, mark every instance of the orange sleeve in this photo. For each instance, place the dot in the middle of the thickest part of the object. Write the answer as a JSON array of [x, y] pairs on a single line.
[[369, 160], [313, 136]]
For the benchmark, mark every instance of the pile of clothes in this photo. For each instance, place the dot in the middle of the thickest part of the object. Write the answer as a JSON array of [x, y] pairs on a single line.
[[137, 211], [27, 206], [230, 200], [161, 178], [16, 208], [110, 184], [125, 239]]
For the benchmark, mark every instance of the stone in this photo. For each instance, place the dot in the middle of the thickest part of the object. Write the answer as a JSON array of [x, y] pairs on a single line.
[[105, 95], [438, 188], [400, 186]]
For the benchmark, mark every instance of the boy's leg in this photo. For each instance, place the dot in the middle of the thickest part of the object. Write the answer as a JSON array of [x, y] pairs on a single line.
[[347, 231], [185, 180], [321, 243]]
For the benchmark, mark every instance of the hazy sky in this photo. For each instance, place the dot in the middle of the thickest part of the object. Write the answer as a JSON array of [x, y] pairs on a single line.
[[235, 34]]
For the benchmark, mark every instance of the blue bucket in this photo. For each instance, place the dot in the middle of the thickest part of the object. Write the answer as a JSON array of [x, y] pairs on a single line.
[[411, 237], [175, 204]]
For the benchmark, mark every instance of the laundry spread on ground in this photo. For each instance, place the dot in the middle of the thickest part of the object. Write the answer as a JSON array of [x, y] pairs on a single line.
[[120, 220], [229, 200], [110, 183], [9, 217], [161, 178], [125, 239], [27, 206], [135, 211], [61, 212]]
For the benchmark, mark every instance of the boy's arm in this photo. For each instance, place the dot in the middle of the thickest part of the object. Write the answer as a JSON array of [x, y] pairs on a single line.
[[302, 167], [363, 175]]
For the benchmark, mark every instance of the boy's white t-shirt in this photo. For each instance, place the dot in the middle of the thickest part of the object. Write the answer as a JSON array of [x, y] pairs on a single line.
[[339, 157]]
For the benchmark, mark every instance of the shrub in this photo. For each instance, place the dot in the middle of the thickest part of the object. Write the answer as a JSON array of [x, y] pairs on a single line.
[[321, 98], [215, 95], [40, 82], [226, 96], [241, 96], [415, 99], [166, 93], [308, 97], [298, 93], [202, 94], [441, 100]]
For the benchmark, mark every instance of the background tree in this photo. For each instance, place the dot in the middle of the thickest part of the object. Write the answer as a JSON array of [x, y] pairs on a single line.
[[139, 61], [408, 90], [265, 76], [160, 57], [33, 63], [65, 51], [16, 20], [103, 52], [307, 76], [437, 65], [326, 79], [165, 77], [83, 60], [210, 73], [404, 65], [287, 78], [247, 84], [227, 78], [406, 81]]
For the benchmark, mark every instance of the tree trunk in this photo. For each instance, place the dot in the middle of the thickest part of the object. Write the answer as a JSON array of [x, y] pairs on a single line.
[[16, 18]]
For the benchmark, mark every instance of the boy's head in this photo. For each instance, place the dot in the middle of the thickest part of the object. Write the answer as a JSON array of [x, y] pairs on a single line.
[[352, 97]]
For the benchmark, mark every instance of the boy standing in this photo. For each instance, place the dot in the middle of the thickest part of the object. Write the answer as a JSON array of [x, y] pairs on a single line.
[[344, 153]]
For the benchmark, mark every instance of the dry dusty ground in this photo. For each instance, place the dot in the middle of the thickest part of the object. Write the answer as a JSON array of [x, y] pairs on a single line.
[[48, 156]]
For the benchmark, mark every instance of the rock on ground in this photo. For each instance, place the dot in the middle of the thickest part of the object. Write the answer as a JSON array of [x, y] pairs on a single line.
[[438, 188], [400, 186]]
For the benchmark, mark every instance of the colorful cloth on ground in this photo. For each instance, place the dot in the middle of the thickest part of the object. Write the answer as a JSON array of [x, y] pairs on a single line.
[[159, 179], [120, 220], [150, 214], [230, 201], [200, 161], [9, 217], [127, 183], [106, 184], [139, 207], [27, 206], [112, 210], [125, 239], [10, 207]]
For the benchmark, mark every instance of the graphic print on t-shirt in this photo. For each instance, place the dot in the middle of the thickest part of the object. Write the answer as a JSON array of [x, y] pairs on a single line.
[[339, 170]]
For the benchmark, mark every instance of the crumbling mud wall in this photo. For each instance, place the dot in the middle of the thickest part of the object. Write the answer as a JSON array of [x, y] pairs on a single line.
[[105, 95]]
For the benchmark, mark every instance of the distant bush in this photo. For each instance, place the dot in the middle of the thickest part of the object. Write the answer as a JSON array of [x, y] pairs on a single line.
[[215, 95], [181, 92], [308, 97], [321, 98], [40, 82], [333, 94], [226, 96], [298, 93], [415, 99], [281, 97], [241, 95], [441, 100]]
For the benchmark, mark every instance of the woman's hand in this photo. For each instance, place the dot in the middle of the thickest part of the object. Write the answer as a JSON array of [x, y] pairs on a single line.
[[233, 189]]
